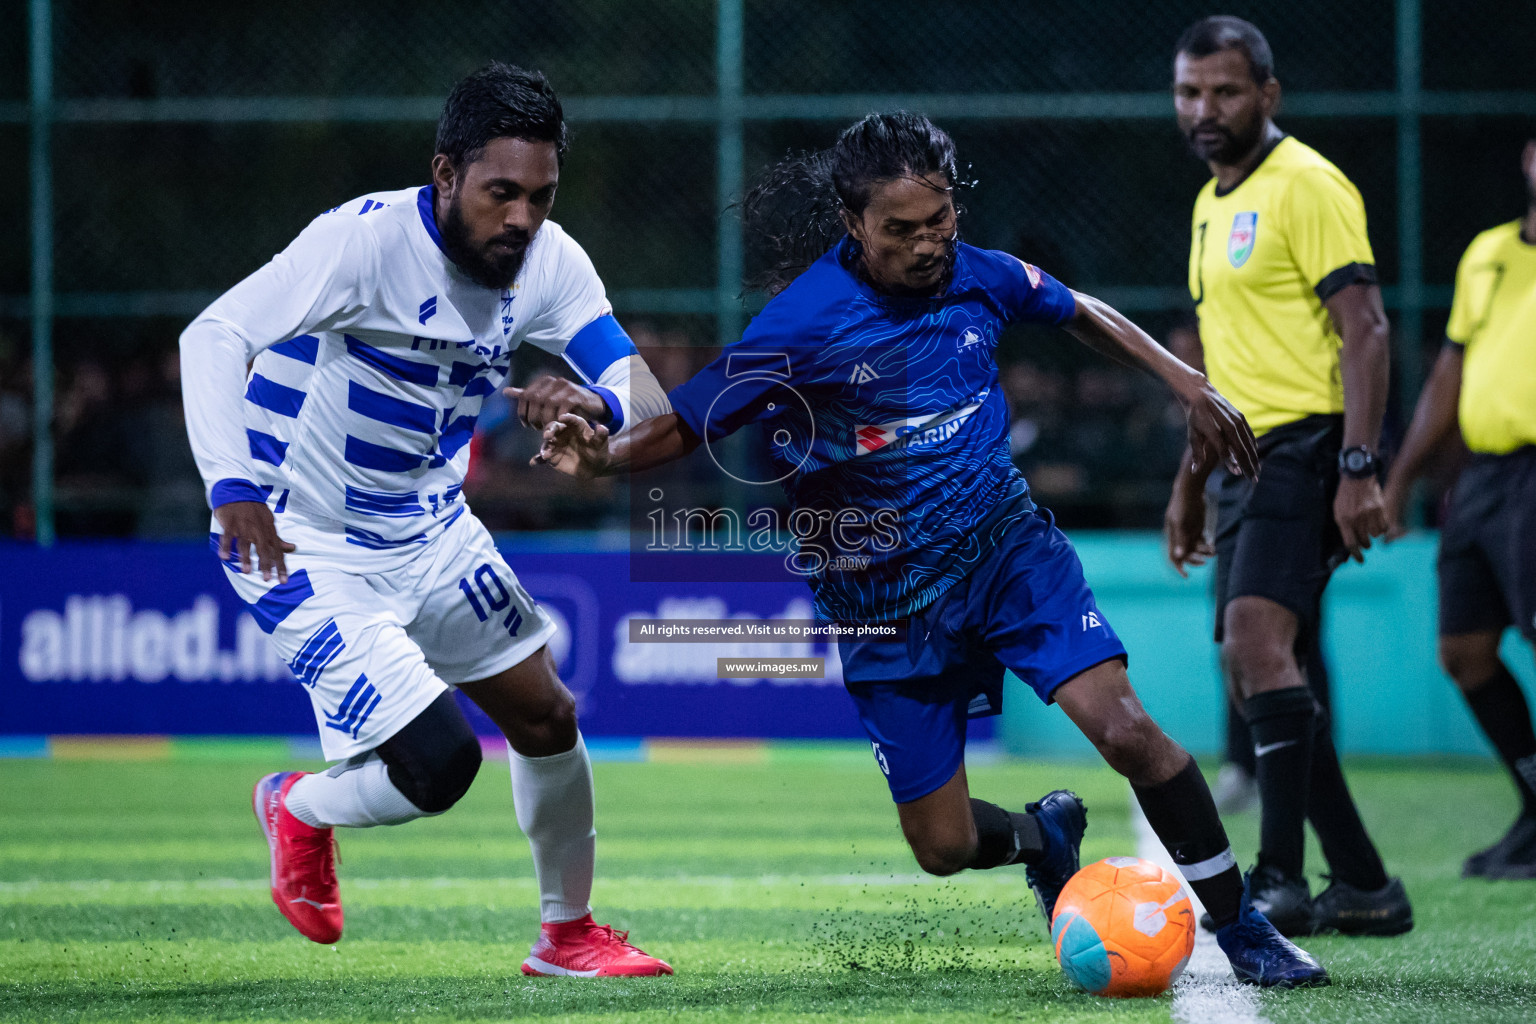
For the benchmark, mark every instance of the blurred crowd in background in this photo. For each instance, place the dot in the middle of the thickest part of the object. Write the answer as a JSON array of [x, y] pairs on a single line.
[[191, 141], [1098, 442]]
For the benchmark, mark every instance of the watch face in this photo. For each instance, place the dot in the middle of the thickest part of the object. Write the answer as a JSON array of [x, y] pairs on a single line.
[[1356, 461]]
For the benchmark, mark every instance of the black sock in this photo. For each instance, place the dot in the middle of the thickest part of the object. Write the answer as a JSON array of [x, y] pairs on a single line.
[[1352, 857], [1500, 708], [1184, 817], [1283, 722], [1239, 740], [1004, 837]]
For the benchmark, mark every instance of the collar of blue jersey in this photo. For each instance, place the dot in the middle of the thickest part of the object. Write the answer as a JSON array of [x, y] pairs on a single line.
[[846, 252], [428, 217]]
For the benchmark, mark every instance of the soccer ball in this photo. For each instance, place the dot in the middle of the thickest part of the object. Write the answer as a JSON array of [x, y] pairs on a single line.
[[1123, 927]]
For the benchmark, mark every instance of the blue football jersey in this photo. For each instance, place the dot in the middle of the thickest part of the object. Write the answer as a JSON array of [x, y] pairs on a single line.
[[884, 421]]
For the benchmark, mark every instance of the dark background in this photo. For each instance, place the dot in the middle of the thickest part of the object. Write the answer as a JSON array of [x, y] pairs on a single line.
[[192, 141]]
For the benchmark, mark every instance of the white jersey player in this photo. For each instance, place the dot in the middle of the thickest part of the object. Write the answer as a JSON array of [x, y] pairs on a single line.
[[330, 399]]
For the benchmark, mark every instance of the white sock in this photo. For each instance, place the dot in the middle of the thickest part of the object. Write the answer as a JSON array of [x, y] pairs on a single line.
[[356, 793], [553, 799]]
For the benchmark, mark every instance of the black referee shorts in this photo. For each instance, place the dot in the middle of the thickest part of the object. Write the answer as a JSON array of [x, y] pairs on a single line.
[[1487, 564], [1275, 536]]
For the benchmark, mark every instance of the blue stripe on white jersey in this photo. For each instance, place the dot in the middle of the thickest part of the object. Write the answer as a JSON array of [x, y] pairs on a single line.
[[274, 397], [266, 448], [305, 348], [456, 435], [479, 387], [460, 374], [377, 541], [397, 412], [278, 603], [408, 370], [368, 455], [388, 504]]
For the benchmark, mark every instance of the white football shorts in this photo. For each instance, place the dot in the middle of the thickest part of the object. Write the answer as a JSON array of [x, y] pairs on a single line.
[[377, 635]]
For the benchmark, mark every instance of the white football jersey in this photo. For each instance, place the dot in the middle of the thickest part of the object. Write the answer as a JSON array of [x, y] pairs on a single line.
[[343, 379]]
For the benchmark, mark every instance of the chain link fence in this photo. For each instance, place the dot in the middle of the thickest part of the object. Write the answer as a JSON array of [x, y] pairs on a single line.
[[185, 143]]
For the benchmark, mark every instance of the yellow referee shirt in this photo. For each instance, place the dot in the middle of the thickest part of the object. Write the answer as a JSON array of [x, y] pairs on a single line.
[[1493, 318], [1263, 258]]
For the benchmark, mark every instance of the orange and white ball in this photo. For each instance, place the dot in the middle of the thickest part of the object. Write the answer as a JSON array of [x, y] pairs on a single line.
[[1123, 927]]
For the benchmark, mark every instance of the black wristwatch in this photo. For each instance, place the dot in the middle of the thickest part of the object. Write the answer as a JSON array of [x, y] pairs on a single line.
[[1358, 463]]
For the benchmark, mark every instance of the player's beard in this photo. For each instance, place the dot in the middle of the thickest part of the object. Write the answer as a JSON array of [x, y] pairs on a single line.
[[480, 264], [1231, 145]]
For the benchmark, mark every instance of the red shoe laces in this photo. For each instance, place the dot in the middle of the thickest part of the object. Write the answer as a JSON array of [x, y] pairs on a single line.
[[613, 936]]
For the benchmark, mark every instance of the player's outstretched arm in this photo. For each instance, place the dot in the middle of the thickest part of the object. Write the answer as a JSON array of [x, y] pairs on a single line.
[[1217, 431], [576, 448], [547, 398], [1434, 419]]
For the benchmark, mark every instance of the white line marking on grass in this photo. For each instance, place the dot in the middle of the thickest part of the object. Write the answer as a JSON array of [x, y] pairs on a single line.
[[1208, 993]]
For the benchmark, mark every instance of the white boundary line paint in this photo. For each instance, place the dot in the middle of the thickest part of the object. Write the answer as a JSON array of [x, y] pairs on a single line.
[[1208, 993]]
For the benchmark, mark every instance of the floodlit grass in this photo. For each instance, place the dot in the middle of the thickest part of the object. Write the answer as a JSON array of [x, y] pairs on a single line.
[[780, 892]]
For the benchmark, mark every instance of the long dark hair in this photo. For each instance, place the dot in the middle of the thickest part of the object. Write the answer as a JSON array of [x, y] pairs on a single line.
[[792, 214]]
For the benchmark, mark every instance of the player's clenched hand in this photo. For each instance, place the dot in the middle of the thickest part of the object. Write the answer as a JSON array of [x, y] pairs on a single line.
[[548, 398], [574, 447], [1184, 528], [249, 527], [1219, 433], [1361, 513]]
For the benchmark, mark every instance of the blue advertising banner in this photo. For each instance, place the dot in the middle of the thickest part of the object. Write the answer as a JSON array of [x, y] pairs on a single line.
[[148, 638]]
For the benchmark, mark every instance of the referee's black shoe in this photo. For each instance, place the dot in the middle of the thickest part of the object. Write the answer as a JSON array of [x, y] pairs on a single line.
[[1285, 901], [1514, 856], [1349, 911]]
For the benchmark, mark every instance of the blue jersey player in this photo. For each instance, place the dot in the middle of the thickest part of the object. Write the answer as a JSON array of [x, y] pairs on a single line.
[[874, 381]]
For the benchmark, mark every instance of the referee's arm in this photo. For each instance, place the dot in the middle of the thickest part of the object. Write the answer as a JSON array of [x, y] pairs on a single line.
[[1364, 361], [1434, 420]]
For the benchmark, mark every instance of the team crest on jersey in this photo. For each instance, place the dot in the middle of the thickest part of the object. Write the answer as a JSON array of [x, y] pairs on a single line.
[[1240, 242], [969, 337]]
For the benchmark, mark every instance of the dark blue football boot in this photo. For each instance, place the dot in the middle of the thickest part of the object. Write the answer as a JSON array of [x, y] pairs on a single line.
[[1062, 819], [1260, 955]]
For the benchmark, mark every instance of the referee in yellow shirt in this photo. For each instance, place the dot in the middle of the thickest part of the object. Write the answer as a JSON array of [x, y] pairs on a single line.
[[1295, 336], [1485, 381]]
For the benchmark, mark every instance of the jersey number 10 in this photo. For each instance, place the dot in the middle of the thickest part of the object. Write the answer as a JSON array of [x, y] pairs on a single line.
[[496, 598]]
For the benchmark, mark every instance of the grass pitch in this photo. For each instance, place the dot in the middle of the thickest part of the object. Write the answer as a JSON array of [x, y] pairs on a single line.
[[779, 891]]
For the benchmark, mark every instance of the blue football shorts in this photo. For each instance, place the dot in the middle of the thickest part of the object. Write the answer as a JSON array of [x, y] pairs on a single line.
[[1025, 607]]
